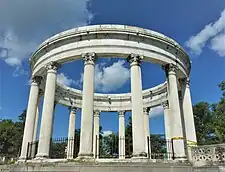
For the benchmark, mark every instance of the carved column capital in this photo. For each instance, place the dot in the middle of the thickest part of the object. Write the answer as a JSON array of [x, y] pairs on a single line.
[[146, 110], [165, 105], [73, 109], [185, 82], [40, 92], [134, 59], [96, 113], [170, 69], [36, 80], [52, 66], [121, 113], [89, 58]]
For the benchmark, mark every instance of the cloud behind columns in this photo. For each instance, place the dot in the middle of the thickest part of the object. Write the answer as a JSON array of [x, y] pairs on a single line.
[[156, 111], [109, 78], [106, 133], [64, 79]]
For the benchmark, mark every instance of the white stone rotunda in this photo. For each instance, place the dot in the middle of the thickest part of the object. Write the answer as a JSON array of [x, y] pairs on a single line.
[[90, 43]]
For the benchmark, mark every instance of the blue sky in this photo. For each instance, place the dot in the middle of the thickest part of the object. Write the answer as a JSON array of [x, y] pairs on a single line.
[[199, 26]]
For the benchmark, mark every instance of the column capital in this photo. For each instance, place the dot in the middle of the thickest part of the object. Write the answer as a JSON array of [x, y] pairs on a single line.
[[96, 113], [170, 69], [121, 113], [146, 110], [134, 59], [40, 92], [73, 109], [52, 66], [165, 105], [185, 81], [36, 80], [89, 58]]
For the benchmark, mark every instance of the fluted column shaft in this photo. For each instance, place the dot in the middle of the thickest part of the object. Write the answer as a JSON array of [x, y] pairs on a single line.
[[188, 115], [176, 128], [47, 112], [138, 130], [31, 115], [86, 135], [147, 131], [167, 123], [71, 133], [121, 135], [96, 133]]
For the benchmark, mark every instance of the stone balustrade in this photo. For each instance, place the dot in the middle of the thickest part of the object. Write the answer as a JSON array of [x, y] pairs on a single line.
[[208, 155]]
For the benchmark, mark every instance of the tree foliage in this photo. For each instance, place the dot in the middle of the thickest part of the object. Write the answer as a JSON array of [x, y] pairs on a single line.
[[210, 120], [11, 135]]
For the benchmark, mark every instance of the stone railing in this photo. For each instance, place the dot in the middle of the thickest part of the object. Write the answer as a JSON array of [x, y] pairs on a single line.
[[208, 155]]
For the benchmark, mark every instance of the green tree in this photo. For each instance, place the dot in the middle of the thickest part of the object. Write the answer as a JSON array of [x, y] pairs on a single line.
[[11, 135], [218, 111], [203, 123], [7, 133], [110, 145]]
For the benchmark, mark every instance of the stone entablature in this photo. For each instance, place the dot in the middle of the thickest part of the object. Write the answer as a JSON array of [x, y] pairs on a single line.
[[110, 41], [111, 102]]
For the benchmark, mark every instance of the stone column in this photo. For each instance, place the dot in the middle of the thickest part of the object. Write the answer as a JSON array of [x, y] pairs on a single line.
[[96, 133], [36, 125], [168, 126], [138, 130], [121, 135], [147, 131], [175, 113], [34, 144], [37, 116], [188, 115], [71, 133], [47, 112], [30, 117], [86, 141]]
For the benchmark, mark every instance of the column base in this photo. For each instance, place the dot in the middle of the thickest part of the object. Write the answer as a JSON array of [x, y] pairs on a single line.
[[139, 155], [184, 158], [122, 157], [85, 156], [69, 158], [21, 160], [41, 157]]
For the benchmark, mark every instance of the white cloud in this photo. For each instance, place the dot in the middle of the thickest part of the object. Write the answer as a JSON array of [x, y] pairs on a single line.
[[19, 71], [12, 61], [25, 24], [106, 133], [109, 78], [196, 43], [156, 111], [65, 80], [112, 77], [218, 44]]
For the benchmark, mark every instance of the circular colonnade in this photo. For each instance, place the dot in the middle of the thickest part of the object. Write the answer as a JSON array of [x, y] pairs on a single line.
[[104, 41]]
